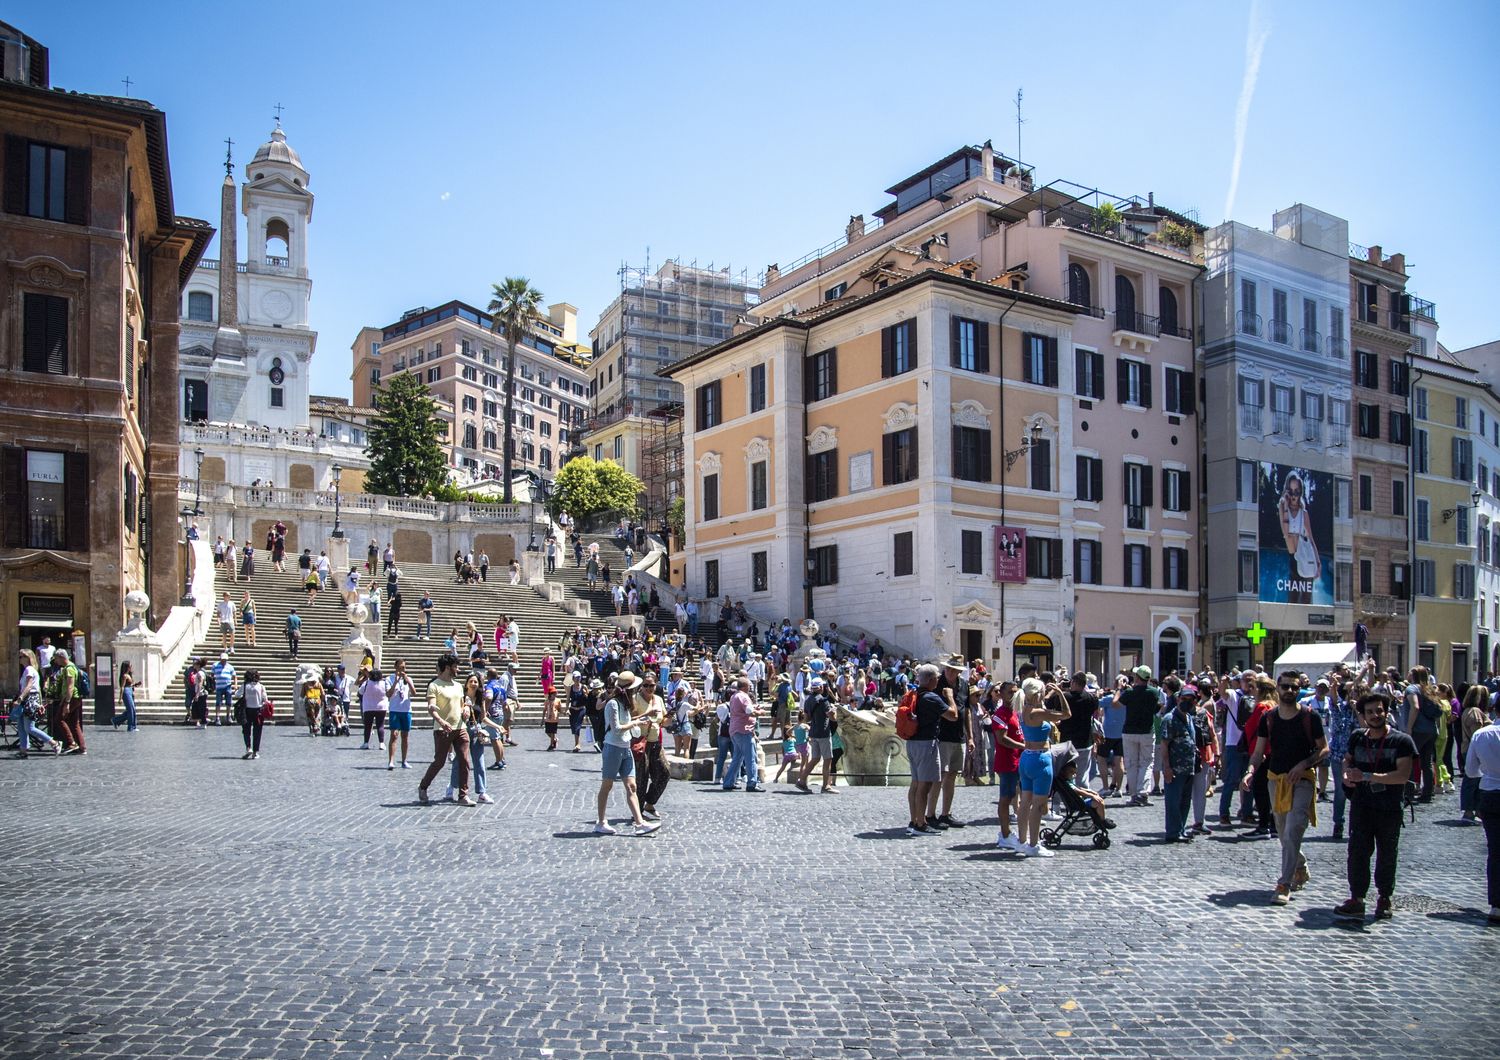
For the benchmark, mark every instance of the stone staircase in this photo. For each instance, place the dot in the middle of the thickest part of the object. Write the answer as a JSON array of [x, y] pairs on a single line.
[[599, 598]]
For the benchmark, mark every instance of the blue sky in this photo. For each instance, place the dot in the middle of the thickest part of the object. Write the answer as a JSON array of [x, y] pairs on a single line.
[[453, 144]]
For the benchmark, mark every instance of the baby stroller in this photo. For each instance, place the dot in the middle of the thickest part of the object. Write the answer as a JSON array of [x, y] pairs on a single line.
[[1079, 817], [334, 721]]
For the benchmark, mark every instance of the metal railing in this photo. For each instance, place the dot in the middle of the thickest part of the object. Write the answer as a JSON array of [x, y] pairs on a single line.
[[1399, 321], [1281, 424], [1135, 516], [1421, 307], [1357, 250], [1248, 323], [1174, 331], [1312, 341], [1250, 419], [1135, 322], [1281, 332], [1336, 347], [1312, 431]]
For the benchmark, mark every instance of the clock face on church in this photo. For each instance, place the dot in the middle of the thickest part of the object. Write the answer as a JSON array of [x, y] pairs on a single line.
[[276, 304]]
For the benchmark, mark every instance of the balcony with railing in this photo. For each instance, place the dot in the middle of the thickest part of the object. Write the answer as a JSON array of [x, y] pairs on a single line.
[[1382, 605], [1312, 431], [1281, 424], [1281, 332], [1135, 517], [1337, 349], [1310, 341], [1136, 323], [1247, 323], [1251, 419]]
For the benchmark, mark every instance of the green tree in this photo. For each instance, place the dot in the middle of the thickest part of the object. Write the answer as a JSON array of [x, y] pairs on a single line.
[[406, 440], [677, 518], [586, 487], [513, 309]]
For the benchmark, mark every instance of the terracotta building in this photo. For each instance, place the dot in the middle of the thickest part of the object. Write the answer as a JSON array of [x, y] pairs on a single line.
[[92, 264]]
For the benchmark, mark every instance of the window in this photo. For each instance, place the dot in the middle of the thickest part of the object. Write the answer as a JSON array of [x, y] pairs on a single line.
[[1366, 370], [471, 436], [1252, 398], [1174, 568], [469, 404], [824, 562], [1463, 459], [278, 397], [491, 408], [971, 454], [1041, 464], [1246, 489], [1089, 476], [1176, 490], [1343, 577], [45, 181], [836, 291], [970, 342], [1138, 484], [1043, 557], [1421, 402], [898, 348], [1461, 413], [1400, 424], [760, 577], [710, 497], [546, 459], [1039, 360], [1422, 511], [1281, 331], [1133, 383], [971, 552], [823, 476], [711, 578], [1282, 403], [1125, 314], [1398, 496], [758, 487], [1400, 378], [1369, 420], [1088, 565], [1366, 576], [904, 558], [53, 494], [1463, 581], [44, 339], [1425, 571], [491, 440], [1168, 305], [194, 400], [822, 378], [1419, 458], [1138, 566], [1368, 308], [1366, 493], [1179, 398], [1079, 292], [1249, 581], [200, 306], [1309, 325], [1249, 320], [710, 406], [1343, 498], [1461, 525], [898, 456], [470, 373], [528, 423], [434, 373], [1088, 374], [757, 387], [1338, 421]]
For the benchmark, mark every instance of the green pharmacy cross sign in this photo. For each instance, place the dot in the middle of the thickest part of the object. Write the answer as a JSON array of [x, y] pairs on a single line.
[[1257, 633]]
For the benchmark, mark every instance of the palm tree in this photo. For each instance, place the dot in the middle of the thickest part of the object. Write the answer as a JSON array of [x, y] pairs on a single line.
[[513, 309]]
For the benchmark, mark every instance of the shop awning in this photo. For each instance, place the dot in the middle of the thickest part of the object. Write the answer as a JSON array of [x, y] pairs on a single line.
[[1315, 658]]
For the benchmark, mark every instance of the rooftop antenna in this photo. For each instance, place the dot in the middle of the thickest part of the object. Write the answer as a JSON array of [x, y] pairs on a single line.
[[1019, 122], [228, 157]]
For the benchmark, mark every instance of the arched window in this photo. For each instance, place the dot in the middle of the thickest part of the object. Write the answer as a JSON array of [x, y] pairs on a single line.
[[1078, 285], [1168, 312], [1125, 304], [200, 306], [278, 239]]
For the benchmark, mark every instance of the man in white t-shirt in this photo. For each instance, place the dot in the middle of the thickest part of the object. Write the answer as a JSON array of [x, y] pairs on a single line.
[[226, 623]]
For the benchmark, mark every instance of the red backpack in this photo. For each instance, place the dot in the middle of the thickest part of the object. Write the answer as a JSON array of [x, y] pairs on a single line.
[[906, 716]]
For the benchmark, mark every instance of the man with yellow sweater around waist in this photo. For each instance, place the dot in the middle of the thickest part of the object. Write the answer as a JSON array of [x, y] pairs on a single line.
[[445, 705], [1289, 744]]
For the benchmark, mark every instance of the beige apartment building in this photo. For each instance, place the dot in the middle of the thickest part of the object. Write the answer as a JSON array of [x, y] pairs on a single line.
[[462, 361], [970, 425], [94, 262]]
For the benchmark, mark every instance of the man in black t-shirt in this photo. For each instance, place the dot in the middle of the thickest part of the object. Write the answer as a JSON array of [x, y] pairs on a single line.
[[1142, 702], [818, 709], [922, 749], [1377, 766], [1078, 730], [953, 741], [1290, 743]]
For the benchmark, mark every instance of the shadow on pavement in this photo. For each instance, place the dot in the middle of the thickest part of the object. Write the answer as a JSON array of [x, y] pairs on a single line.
[[1234, 899], [898, 832]]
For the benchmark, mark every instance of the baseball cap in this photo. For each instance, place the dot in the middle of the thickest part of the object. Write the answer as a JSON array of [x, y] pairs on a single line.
[[1143, 672]]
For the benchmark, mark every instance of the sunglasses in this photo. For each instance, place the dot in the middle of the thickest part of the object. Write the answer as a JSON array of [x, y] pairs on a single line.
[[1288, 688]]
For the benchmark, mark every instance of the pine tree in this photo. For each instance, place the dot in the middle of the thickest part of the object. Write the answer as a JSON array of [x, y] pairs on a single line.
[[406, 440]]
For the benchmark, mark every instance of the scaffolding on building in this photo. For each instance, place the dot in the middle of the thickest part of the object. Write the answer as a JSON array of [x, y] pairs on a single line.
[[661, 464]]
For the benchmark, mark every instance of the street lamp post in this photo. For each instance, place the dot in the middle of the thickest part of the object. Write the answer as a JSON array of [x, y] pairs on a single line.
[[337, 474], [186, 516], [198, 485]]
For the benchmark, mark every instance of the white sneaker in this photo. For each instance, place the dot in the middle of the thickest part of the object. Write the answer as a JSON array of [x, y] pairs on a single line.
[[382, 745], [1042, 851], [485, 799], [647, 827], [1050, 816], [603, 829], [1026, 850], [1005, 842]]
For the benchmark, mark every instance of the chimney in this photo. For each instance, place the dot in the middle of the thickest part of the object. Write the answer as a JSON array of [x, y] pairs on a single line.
[[1397, 263], [1376, 255], [229, 313], [987, 160], [855, 229], [773, 273]]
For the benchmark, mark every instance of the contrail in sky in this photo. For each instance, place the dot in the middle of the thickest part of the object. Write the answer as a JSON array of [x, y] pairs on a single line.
[[1255, 44]]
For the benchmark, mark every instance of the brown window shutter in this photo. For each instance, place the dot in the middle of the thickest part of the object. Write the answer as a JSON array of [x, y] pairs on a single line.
[[13, 486], [15, 174], [78, 186], [76, 490]]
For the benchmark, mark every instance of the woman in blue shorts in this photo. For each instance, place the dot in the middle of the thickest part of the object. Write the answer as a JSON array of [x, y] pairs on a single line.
[[1037, 720]]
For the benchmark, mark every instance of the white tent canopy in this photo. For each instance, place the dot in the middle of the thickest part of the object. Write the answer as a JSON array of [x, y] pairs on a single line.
[[1315, 658]]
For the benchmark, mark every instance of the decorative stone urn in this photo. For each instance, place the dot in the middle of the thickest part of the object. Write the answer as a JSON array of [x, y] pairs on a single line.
[[137, 604]]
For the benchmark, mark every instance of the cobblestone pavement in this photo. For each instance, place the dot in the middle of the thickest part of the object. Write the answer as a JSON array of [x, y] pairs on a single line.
[[165, 898]]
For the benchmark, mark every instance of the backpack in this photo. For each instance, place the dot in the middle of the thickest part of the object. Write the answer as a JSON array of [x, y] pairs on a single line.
[[906, 716], [81, 687], [1427, 716]]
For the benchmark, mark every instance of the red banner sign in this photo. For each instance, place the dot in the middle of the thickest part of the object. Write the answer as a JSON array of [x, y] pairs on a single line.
[[1010, 554]]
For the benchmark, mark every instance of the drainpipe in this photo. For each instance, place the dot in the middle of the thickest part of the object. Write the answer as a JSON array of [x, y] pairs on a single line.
[[807, 593], [1413, 374], [1000, 363]]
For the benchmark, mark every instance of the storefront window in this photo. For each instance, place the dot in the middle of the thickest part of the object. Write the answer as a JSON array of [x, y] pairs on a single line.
[[45, 526]]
